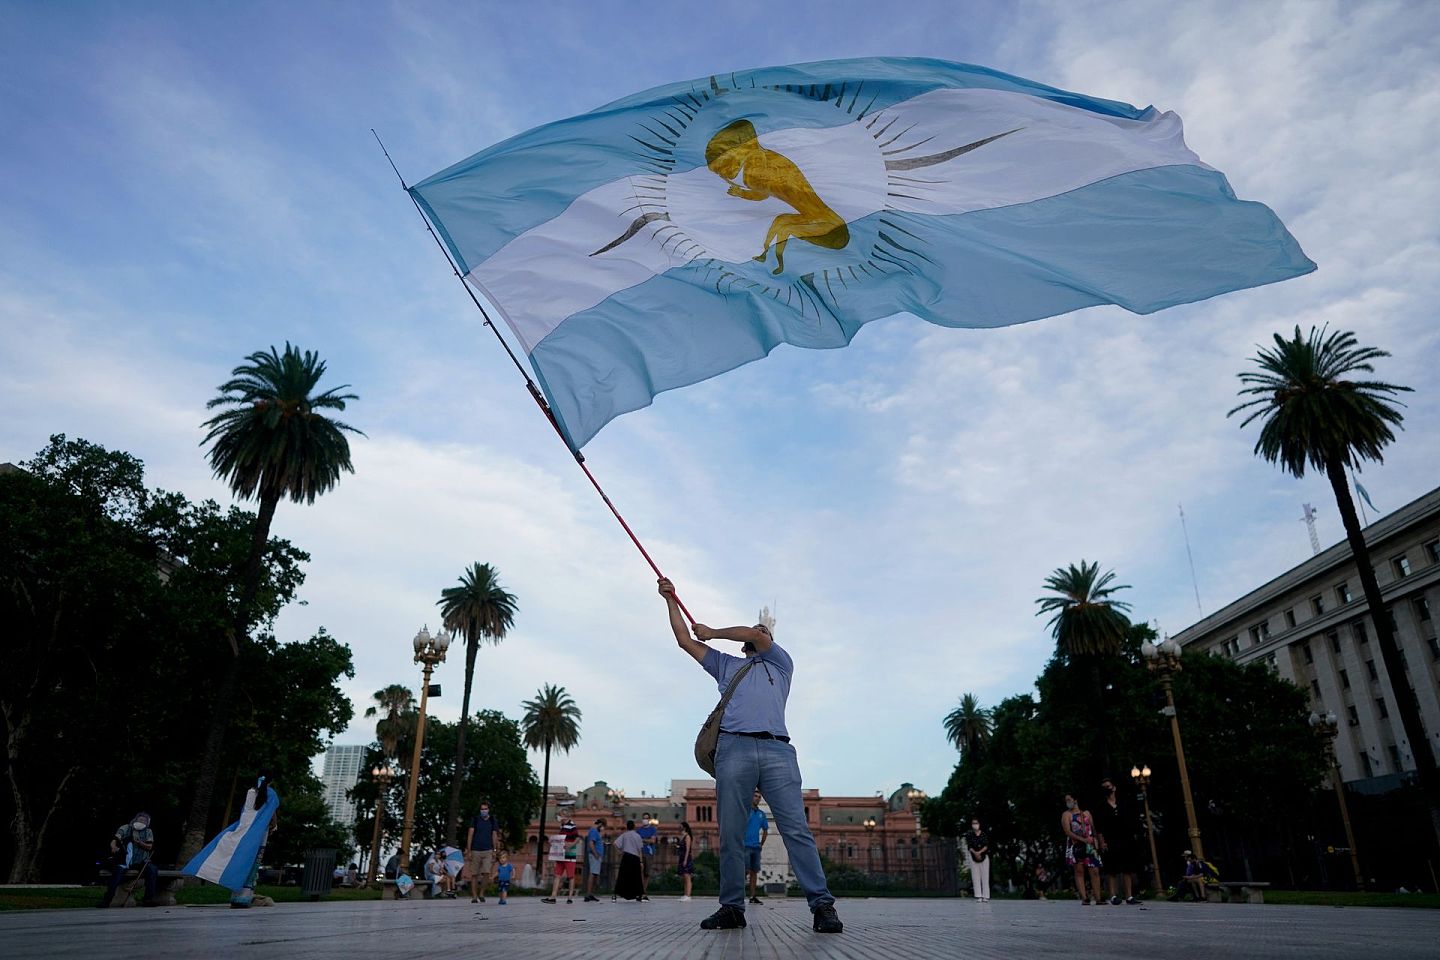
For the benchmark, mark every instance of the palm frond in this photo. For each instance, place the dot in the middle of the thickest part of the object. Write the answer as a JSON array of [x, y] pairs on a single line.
[[551, 720]]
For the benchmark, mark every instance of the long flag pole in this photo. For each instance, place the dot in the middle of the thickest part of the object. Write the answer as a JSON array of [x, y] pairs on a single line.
[[530, 384]]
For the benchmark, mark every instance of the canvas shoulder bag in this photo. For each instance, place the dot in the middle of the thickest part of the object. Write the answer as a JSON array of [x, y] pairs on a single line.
[[709, 737]]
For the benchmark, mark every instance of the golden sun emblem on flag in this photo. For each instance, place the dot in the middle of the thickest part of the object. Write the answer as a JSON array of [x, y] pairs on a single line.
[[811, 182]]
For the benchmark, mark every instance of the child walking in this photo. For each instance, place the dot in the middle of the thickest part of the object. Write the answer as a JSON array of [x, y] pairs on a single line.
[[503, 873]]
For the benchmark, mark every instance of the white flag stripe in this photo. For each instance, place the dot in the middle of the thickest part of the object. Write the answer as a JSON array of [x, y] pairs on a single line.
[[552, 271]]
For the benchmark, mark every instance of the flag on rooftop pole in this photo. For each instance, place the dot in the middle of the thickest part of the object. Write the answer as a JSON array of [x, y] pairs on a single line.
[[678, 233]]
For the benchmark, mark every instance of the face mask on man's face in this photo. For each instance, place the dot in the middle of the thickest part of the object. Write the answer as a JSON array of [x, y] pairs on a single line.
[[138, 825], [484, 814]]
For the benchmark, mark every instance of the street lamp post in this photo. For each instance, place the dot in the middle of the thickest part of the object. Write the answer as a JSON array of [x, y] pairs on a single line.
[[869, 824], [1328, 726], [429, 651], [1141, 776], [1164, 661], [382, 775]]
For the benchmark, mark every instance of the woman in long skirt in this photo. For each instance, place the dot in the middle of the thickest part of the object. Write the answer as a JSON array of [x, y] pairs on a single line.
[[629, 882]]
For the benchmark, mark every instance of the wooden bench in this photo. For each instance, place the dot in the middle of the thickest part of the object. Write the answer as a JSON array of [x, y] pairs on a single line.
[[164, 881], [1240, 891], [426, 889]]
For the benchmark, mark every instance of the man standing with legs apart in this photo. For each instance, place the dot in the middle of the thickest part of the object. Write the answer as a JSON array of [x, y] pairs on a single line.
[[754, 753], [757, 831], [480, 852]]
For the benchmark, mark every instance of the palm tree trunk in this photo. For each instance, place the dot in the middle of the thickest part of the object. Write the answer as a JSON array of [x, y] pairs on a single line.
[[1102, 717], [452, 819], [198, 819], [540, 836], [1406, 702]]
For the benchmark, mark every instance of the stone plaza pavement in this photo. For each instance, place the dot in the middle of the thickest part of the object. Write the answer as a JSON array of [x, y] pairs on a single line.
[[666, 928]]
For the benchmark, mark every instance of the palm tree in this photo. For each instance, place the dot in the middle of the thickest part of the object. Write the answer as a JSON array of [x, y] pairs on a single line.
[[1088, 624], [1315, 415], [481, 612], [968, 727], [551, 720], [395, 705], [271, 440]]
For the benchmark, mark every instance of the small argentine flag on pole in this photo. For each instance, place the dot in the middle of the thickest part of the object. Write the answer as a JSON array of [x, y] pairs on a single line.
[[681, 232]]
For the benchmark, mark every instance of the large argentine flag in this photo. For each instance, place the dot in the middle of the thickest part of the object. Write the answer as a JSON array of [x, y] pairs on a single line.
[[228, 859], [683, 231]]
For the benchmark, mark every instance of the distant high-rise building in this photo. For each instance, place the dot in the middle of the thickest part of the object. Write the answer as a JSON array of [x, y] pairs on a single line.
[[342, 771]]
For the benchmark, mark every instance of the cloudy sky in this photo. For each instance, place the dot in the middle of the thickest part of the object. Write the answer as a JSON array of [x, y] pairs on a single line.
[[183, 184]]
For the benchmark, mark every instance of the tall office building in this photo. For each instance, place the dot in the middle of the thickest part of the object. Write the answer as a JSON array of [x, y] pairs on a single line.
[[342, 771], [1312, 626]]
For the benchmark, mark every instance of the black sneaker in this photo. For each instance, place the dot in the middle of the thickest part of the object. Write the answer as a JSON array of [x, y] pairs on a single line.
[[727, 918], [547, 899], [827, 920], [591, 899], [482, 899], [756, 900], [1132, 901]]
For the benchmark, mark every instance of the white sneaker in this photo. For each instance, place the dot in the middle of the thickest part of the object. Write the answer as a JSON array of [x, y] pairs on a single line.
[[684, 899]]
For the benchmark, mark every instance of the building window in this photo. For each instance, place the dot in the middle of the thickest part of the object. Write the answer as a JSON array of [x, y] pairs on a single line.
[[1334, 636], [1344, 681], [1231, 647], [1422, 609], [1380, 706], [1369, 767], [1343, 594], [1361, 635], [1370, 668], [1354, 715], [1270, 663], [1309, 654], [1395, 758], [1434, 647], [1432, 550], [1290, 617], [1317, 605], [1315, 689], [704, 842], [1401, 566]]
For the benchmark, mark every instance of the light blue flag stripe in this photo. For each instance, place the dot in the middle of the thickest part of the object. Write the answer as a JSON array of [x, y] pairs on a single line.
[[1145, 240], [553, 164], [624, 267]]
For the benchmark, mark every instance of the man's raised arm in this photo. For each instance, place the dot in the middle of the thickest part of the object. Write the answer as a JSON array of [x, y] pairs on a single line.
[[687, 643]]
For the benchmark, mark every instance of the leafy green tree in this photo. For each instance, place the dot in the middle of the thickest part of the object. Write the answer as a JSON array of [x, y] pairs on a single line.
[[968, 726], [551, 720], [1088, 625], [481, 611], [1248, 744], [270, 440], [1318, 411], [395, 705], [112, 596]]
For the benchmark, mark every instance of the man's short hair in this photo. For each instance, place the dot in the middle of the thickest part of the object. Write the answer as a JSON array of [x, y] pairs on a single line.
[[629, 824]]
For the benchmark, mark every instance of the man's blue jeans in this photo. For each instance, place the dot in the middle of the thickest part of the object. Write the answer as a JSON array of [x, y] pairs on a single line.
[[743, 764]]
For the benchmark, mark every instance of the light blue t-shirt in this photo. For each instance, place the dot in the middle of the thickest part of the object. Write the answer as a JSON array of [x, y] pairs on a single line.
[[759, 702], [757, 822]]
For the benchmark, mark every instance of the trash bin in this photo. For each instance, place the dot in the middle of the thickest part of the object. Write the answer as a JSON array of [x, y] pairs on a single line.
[[319, 873]]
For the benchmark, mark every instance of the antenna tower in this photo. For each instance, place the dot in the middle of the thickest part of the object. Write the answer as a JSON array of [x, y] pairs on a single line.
[[1309, 518]]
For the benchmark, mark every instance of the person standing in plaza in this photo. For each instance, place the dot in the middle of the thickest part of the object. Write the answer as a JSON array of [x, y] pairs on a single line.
[[685, 859], [1079, 829], [130, 848], [978, 845], [754, 753], [564, 858], [1115, 835], [594, 857], [757, 831], [480, 852], [647, 832], [628, 883]]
